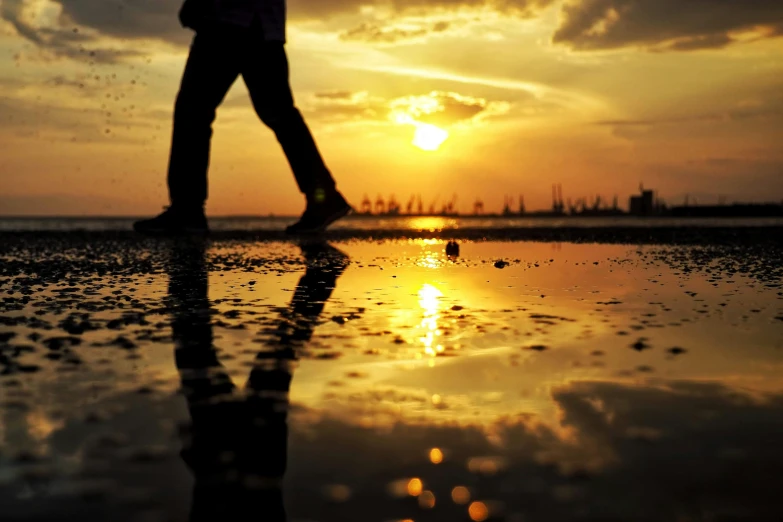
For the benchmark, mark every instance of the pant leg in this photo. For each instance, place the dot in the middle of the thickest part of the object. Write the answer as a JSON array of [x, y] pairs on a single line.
[[211, 69], [264, 69]]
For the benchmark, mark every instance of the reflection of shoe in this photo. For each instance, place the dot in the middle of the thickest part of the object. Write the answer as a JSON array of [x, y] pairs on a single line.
[[174, 221], [319, 215]]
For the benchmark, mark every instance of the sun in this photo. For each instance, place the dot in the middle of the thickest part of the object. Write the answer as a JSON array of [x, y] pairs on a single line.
[[428, 137]]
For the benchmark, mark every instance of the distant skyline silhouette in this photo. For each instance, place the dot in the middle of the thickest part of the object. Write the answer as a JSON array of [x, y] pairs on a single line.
[[510, 205]]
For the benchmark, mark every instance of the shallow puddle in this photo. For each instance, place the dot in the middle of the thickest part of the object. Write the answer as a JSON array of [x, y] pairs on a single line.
[[387, 381]]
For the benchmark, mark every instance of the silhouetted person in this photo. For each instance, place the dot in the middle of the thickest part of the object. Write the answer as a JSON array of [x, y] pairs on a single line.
[[239, 37], [236, 445]]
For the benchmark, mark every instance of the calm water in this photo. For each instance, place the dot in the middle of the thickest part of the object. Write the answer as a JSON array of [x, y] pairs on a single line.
[[382, 223]]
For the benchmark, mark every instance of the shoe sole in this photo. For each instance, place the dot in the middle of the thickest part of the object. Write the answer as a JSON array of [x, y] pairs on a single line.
[[331, 219]]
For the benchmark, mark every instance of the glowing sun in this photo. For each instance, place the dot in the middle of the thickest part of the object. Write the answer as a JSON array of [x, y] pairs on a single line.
[[429, 137]]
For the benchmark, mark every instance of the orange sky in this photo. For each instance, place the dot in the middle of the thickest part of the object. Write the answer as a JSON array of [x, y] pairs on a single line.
[[598, 95]]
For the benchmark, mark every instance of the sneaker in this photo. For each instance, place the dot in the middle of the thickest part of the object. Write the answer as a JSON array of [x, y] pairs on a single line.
[[319, 215], [174, 221]]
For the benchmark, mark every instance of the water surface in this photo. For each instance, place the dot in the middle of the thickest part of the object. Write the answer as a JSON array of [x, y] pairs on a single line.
[[385, 381]]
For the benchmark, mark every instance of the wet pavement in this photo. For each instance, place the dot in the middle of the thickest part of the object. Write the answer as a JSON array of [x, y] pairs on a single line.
[[382, 380]]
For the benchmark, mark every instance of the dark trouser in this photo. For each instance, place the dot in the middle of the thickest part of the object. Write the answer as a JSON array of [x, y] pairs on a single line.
[[217, 56]]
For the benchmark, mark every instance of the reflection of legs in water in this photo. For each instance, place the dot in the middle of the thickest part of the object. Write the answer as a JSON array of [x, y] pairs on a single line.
[[237, 443], [215, 441], [324, 265]]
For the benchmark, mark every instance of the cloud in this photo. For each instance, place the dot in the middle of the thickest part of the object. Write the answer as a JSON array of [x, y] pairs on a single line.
[[572, 100], [403, 21], [447, 108], [342, 106], [84, 29], [59, 29], [94, 30], [441, 108], [378, 33], [317, 9], [331, 106], [666, 25], [335, 95], [155, 19]]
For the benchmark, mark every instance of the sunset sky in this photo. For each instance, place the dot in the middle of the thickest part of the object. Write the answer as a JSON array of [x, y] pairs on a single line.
[[598, 95]]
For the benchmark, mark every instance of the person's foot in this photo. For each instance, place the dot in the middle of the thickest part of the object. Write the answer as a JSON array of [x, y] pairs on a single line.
[[174, 221], [320, 214]]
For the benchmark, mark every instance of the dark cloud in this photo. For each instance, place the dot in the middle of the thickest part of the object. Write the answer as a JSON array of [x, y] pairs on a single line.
[[128, 18], [664, 24], [83, 25], [375, 33], [65, 39], [455, 109], [700, 42]]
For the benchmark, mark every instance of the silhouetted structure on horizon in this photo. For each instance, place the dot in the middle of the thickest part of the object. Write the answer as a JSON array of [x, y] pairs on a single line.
[[646, 203]]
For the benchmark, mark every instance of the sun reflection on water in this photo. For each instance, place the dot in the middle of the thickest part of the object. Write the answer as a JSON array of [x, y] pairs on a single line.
[[429, 300], [430, 260], [431, 223]]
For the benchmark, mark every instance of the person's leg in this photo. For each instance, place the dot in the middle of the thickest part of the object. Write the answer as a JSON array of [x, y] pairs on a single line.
[[211, 69], [265, 72]]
